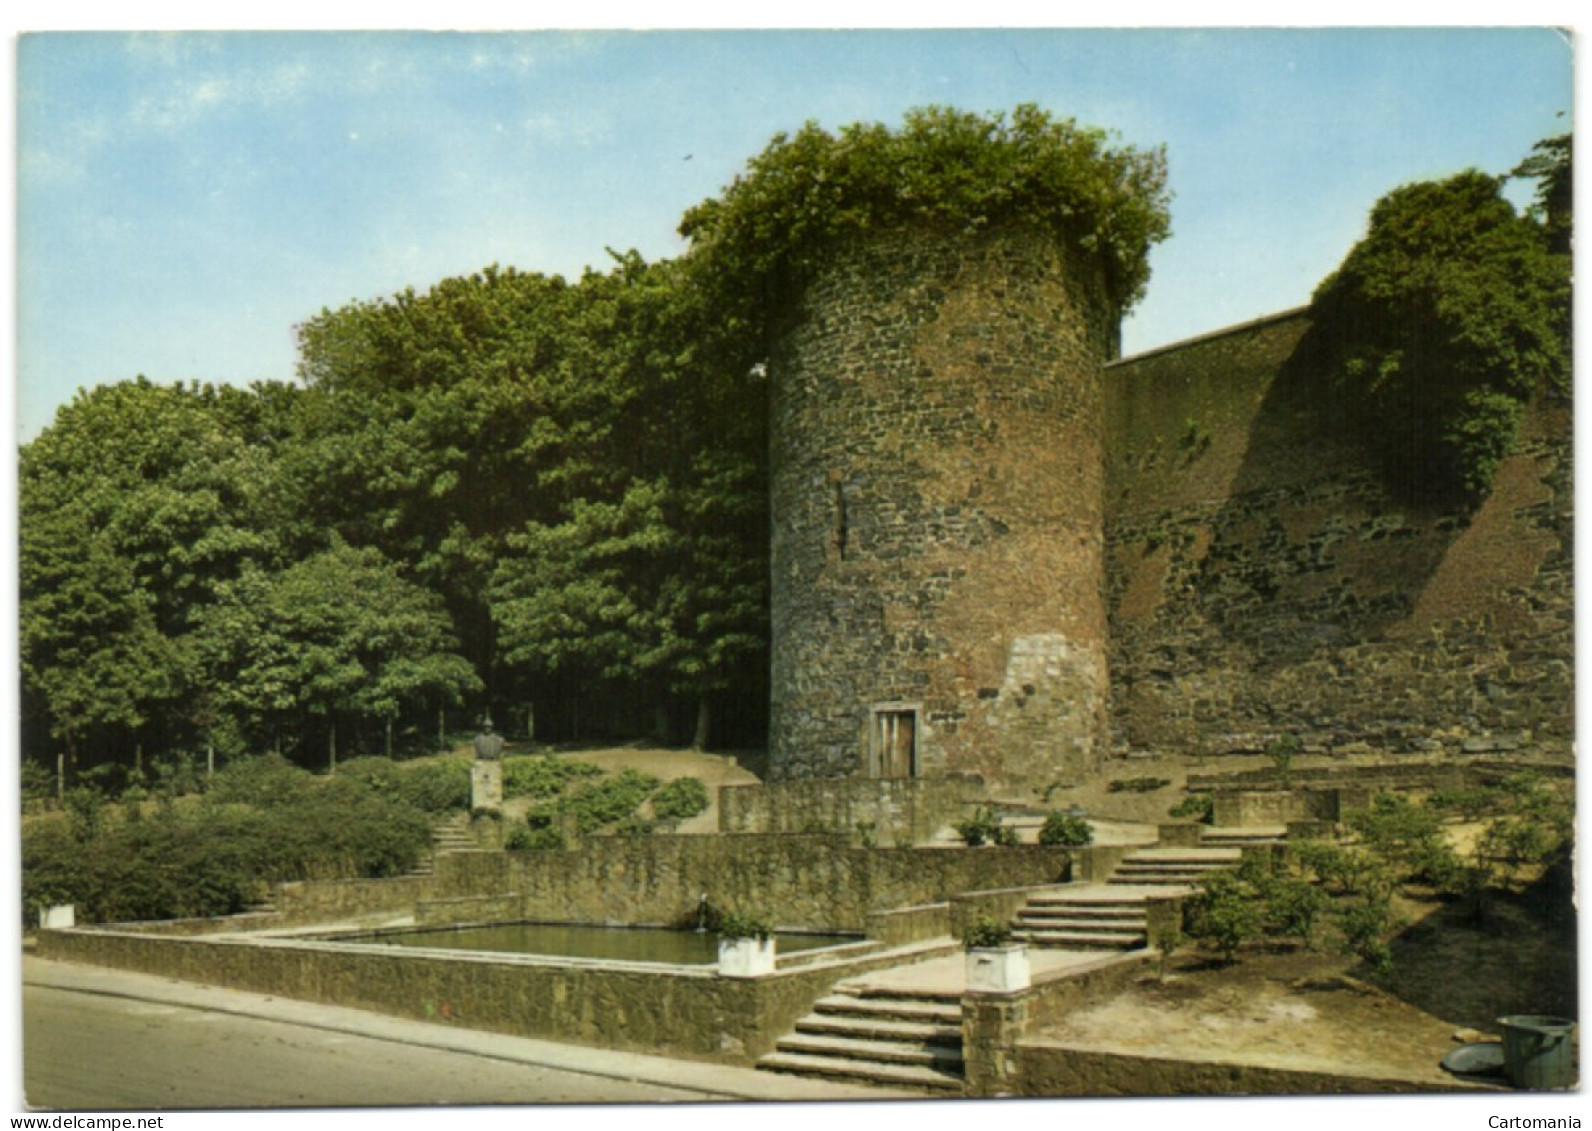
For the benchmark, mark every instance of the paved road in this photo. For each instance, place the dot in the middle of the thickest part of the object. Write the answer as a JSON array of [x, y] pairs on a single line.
[[102, 1040]]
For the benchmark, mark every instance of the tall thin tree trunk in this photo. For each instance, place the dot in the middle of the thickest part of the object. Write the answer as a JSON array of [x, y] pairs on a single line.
[[704, 719], [442, 728], [331, 749], [387, 742]]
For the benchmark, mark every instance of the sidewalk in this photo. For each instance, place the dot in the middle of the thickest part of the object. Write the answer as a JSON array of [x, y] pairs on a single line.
[[714, 1080]]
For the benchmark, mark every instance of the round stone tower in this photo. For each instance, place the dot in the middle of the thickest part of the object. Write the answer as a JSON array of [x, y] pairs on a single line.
[[938, 584]]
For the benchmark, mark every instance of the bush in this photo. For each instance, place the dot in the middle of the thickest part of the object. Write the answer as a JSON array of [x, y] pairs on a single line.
[[1224, 913], [265, 780], [219, 855], [543, 775], [599, 804], [984, 932], [736, 925], [680, 800], [524, 838], [984, 825], [1138, 785], [436, 787], [1195, 807], [1065, 830]]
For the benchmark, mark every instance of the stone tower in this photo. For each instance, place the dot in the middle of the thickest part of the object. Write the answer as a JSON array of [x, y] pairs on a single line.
[[938, 586]]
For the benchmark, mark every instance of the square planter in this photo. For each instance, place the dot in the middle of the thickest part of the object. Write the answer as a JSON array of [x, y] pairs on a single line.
[[998, 970], [746, 958], [60, 916]]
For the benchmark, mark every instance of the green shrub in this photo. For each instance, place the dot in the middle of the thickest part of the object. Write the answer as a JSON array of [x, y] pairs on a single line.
[[264, 780], [984, 825], [1138, 785], [38, 783], [1293, 908], [739, 925], [680, 800], [984, 932], [1224, 913], [543, 775], [436, 787], [1399, 831], [1470, 802], [524, 838], [1195, 807], [1367, 924], [599, 804], [1065, 830]]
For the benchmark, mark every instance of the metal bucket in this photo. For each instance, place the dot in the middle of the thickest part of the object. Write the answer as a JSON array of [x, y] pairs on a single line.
[[1537, 1051]]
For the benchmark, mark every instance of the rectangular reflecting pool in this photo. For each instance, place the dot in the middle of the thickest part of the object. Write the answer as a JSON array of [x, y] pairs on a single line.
[[620, 944]]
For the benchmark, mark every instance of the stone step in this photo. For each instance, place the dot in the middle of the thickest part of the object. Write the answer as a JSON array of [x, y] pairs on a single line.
[[1078, 940], [1172, 866], [884, 1075], [874, 1028], [890, 1009], [1104, 899], [879, 1052], [874, 991], [1126, 912], [1082, 926], [1187, 852], [1153, 881]]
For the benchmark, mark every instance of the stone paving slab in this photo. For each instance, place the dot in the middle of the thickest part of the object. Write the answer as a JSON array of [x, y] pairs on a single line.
[[949, 974], [720, 1080]]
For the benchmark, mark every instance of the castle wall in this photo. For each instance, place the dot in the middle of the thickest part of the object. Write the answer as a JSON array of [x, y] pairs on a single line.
[[937, 467], [1262, 582]]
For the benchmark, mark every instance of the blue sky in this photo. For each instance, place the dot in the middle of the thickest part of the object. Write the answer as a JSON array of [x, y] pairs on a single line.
[[185, 200]]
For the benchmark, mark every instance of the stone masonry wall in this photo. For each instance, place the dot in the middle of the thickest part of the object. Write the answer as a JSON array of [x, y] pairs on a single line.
[[936, 469], [794, 881], [1262, 581]]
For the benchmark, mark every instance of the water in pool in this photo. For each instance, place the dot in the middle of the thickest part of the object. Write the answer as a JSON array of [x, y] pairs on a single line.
[[623, 944]]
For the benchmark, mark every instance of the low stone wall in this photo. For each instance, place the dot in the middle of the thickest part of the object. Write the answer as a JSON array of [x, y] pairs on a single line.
[[1040, 1068], [806, 882], [675, 1011], [994, 1024], [1248, 808], [902, 811], [1001, 904], [903, 925], [316, 901]]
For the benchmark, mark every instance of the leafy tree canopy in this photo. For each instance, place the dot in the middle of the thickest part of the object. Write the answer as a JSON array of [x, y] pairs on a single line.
[[775, 225], [1439, 325]]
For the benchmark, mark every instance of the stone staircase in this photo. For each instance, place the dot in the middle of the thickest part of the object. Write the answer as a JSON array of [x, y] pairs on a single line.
[[869, 1035], [1232, 836], [1113, 916], [448, 834]]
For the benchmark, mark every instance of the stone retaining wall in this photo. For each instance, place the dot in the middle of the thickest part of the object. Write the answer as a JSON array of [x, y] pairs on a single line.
[[680, 1011], [795, 881], [901, 811]]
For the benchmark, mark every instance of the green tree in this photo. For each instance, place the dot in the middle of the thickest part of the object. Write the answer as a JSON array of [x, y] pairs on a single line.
[[136, 505], [1440, 324], [340, 633]]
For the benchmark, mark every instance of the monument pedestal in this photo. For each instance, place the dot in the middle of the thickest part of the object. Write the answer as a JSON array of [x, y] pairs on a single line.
[[486, 786]]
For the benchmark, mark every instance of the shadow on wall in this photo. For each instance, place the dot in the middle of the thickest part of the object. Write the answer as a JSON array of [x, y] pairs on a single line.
[[1265, 580]]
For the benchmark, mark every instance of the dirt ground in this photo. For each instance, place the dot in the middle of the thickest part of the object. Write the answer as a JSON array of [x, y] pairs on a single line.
[[1322, 1012]]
